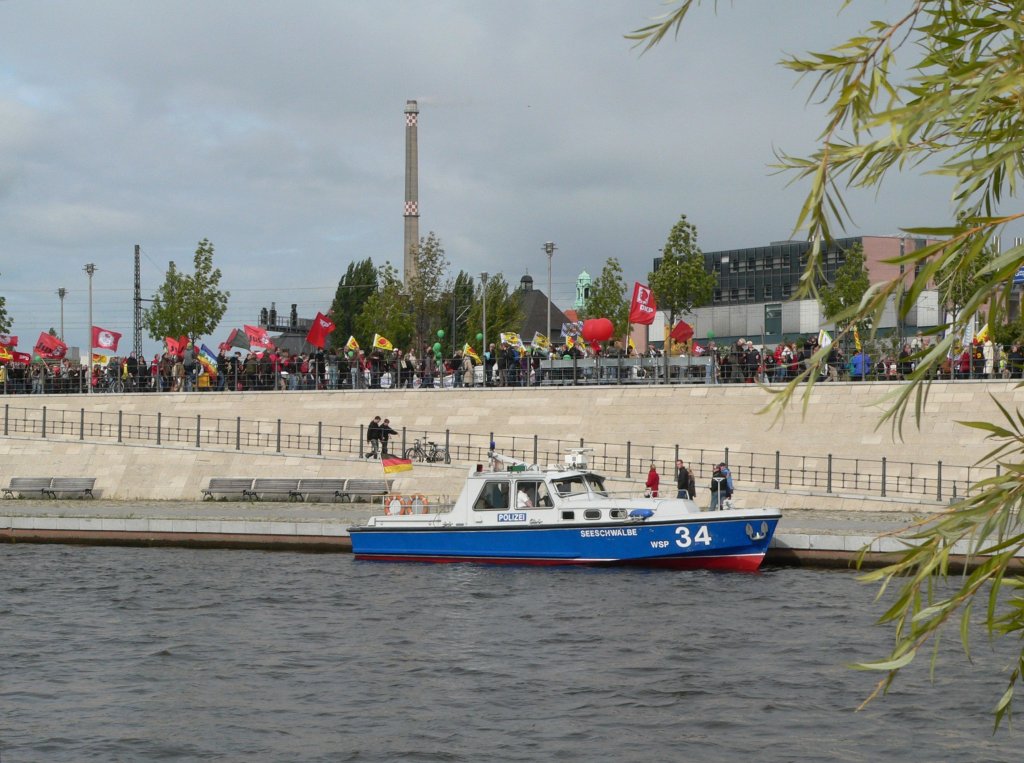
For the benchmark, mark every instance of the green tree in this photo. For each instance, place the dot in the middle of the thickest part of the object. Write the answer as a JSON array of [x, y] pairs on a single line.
[[937, 88], [956, 281], [427, 289], [504, 312], [385, 312], [460, 299], [354, 288], [849, 288], [609, 299], [681, 282], [189, 304], [5, 321]]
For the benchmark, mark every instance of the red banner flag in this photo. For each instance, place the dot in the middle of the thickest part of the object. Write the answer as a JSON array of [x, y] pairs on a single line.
[[683, 332], [21, 357], [49, 347], [175, 346], [322, 326], [102, 339], [258, 337], [643, 307], [8, 340]]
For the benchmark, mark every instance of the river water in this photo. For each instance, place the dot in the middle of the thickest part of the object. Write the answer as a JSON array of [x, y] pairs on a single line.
[[128, 654]]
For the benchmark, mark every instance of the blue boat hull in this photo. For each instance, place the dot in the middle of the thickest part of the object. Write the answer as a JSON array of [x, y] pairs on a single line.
[[705, 543]]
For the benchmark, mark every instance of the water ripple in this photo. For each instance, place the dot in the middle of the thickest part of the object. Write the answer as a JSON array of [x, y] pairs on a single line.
[[173, 654]]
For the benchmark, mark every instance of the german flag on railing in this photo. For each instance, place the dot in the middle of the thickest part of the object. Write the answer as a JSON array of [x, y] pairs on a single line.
[[392, 464]]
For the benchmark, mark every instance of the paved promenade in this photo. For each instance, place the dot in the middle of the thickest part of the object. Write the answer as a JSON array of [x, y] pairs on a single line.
[[828, 538]]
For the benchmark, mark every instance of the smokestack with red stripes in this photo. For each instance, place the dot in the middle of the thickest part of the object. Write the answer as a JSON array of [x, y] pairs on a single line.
[[412, 191]]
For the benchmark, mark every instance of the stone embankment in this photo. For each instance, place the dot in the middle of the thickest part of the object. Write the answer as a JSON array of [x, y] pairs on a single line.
[[151, 493]]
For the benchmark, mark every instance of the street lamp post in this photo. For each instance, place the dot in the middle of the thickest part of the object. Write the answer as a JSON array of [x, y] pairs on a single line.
[[89, 269], [549, 248], [61, 293], [483, 348]]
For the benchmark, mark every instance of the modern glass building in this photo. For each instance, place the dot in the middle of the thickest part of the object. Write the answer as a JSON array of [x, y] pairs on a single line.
[[755, 285]]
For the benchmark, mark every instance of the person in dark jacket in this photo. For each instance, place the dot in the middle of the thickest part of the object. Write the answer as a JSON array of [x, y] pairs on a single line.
[[373, 437], [721, 486], [686, 486], [385, 432]]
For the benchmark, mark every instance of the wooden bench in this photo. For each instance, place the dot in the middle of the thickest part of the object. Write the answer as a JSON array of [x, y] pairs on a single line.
[[334, 488], [81, 485], [287, 487], [228, 486], [365, 488], [28, 485]]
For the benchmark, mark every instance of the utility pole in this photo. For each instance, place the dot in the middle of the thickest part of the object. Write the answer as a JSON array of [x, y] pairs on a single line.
[[89, 269], [137, 335], [483, 350], [549, 248], [61, 293]]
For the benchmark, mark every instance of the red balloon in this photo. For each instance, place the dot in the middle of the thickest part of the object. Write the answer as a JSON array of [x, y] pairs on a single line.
[[597, 330]]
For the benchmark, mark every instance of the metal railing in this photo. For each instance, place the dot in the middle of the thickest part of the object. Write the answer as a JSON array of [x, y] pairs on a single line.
[[826, 473]]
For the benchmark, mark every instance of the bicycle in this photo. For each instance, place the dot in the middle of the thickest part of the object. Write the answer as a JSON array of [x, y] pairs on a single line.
[[431, 452]]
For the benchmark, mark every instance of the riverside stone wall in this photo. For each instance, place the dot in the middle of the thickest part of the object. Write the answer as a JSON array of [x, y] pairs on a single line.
[[839, 419]]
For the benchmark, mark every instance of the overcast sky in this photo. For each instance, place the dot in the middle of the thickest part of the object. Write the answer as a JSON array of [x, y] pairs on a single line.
[[276, 130]]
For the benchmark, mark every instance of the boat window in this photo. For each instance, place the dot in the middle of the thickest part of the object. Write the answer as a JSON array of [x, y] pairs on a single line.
[[570, 515], [596, 484], [592, 514], [618, 513], [493, 495], [570, 486], [532, 494]]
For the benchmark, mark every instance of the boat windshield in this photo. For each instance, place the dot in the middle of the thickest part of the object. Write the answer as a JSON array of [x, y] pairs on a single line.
[[580, 484]]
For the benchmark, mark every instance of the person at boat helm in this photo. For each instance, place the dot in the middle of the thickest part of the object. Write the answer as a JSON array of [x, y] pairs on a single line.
[[686, 485], [523, 499]]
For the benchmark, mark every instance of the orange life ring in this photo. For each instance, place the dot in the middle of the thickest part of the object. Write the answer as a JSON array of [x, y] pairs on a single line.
[[419, 504], [403, 507]]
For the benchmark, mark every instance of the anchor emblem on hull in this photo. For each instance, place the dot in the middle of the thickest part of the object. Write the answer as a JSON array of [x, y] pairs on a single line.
[[755, 536]]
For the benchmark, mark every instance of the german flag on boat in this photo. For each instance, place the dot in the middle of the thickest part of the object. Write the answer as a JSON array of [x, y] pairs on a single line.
[[392, 464]]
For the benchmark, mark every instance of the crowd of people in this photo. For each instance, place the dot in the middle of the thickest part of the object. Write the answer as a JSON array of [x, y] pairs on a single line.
[[501, 365]]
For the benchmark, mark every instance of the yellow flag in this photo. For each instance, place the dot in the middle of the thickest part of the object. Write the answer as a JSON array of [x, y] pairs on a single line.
[[5, 354], [467, 350], [511, 338], [382, 343], [100, 360], [982, 335], [856, 338], [352, 344]]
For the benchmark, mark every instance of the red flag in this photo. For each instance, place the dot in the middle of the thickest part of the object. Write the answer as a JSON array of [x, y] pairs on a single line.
[[8, 340], [258, 337], [21, 357], [173, 348], [682, 332], [102, 339], [49, 347], [643, 307], [322, 326]]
